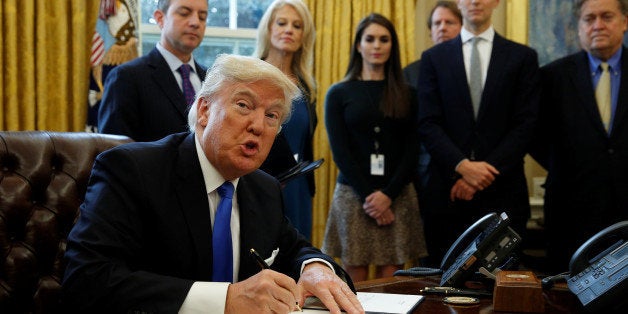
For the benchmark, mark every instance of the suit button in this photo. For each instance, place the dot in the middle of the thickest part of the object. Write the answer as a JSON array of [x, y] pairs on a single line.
[[611, 151]]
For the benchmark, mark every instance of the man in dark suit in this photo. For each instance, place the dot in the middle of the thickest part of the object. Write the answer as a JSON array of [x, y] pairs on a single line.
[[477, 144], [144, 98], [144, 239], [444, 23], [587, 161]]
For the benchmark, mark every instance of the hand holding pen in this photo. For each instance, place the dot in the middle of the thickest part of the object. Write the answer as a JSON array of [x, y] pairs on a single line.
[[263, 265]]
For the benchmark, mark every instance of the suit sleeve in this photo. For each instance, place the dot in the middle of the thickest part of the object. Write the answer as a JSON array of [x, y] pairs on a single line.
[[106, 247], [524, 98], [119, 109], [431, 118]]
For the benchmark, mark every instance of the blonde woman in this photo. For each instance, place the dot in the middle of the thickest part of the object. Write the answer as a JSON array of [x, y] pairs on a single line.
[[285, 39]]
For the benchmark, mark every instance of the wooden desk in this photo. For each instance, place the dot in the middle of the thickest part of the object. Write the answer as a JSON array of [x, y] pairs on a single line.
[[557, 300]]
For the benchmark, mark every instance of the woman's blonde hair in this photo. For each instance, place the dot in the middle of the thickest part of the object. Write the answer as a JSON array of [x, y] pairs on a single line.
[[303, 62]]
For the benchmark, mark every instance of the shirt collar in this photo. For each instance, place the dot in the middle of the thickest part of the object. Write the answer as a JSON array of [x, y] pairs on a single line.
[[613, 61], [488, 35], [213, 178], [173, 62]]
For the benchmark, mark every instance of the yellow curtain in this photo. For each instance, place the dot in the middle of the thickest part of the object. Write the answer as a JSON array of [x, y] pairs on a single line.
[[335, 26], [44, 59]]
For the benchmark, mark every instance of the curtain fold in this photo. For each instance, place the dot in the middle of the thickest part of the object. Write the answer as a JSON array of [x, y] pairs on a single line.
[[44, 57], [335, 27]]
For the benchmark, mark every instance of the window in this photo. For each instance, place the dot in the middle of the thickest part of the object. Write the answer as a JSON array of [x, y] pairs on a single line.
[[231, 28]]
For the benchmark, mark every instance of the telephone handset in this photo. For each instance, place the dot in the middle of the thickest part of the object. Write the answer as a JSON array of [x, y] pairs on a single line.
[[489, 243], [598, 270]]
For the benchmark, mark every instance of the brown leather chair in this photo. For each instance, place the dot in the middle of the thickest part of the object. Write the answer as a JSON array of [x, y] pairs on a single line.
[[42, 184]]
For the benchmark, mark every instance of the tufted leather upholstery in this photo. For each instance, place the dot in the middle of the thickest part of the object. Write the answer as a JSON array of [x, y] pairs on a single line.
[[43, 180]]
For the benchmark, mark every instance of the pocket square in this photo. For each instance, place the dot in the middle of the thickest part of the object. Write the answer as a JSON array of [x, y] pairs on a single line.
[[269, 261]]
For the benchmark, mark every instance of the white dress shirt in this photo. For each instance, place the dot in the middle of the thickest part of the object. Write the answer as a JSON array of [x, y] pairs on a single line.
[[485, 47]]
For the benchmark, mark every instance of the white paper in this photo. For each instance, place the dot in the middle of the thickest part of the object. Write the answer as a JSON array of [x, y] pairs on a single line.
[[375, 303]]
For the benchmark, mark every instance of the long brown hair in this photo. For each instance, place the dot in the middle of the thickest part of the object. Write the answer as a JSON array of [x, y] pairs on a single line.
[[395, 101]]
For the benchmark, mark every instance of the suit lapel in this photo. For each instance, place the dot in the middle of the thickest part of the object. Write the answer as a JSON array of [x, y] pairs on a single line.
[[494, 74], [192, 195], [459, 73], [164, 78], [250, 228], [584, 89], [622, 99]]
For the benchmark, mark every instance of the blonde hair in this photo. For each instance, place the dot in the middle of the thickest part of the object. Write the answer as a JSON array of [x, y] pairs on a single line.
[[232, 69], [303, 61]]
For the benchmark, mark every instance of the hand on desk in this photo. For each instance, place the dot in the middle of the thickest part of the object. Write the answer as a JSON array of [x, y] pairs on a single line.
[[320, 281], [273, 292]]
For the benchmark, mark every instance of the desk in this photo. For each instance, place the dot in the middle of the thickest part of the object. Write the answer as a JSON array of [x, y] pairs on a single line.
[[557, 300]]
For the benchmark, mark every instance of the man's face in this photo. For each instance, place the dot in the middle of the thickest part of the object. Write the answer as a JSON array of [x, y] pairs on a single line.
[[238, 126], [601, 27], [445, 25], [182, 26], [286, 30], [477, 13]]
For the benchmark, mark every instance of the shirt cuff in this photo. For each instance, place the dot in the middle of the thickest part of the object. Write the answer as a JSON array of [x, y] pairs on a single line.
[[458, 165], [205, 297], [311, 260]]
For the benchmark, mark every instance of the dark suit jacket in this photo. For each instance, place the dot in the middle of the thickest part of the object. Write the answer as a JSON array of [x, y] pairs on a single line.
[[499, 136], [411, 73], [144, 234], [281, 158], [142, 100], [587, 183]]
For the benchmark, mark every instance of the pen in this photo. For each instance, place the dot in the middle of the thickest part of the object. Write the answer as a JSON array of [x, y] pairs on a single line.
[[259, 259], [263, 265]]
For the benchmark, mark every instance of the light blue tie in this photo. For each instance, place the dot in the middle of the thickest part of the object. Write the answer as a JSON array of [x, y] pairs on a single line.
[[221, 237]]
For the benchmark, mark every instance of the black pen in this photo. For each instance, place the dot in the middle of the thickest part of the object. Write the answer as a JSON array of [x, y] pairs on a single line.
[[259, 259], [263, 265]]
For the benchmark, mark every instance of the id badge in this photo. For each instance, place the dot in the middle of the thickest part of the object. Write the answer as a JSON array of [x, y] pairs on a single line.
[[377, 164]]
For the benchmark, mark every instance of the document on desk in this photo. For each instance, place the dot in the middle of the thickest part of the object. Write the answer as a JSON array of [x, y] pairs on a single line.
[[385, 303]]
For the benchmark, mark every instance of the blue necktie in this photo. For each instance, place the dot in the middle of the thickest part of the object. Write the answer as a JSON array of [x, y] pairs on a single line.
[[221, 238], [188, 89]]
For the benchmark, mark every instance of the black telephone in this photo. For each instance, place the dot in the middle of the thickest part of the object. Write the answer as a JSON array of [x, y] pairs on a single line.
[[488, 244], [598, 271]]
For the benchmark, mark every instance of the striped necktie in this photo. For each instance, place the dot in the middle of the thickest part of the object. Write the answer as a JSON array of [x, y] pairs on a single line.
[[188, 89]]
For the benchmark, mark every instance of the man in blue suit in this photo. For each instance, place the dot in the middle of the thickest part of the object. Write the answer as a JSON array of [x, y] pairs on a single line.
[[587, 159], [144, 241], [477, 147], [144, 98]]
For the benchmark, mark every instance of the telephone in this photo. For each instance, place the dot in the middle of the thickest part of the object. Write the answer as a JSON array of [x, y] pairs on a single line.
[[598, 270], [489, 243], [485, 246]]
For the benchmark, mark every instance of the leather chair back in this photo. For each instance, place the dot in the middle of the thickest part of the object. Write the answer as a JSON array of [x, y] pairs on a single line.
[[43, 178]]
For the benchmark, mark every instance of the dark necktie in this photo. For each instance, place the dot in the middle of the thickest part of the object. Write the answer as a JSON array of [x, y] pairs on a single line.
[[475, 76], [221, 237], [188, 89]]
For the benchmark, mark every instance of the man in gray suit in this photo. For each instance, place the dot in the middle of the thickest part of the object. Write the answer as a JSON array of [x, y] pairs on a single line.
[[144, 98], [582, 139], [146, 239]]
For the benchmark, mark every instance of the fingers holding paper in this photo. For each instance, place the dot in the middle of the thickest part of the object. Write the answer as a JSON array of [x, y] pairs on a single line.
[[319, 280], [266, 292]]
